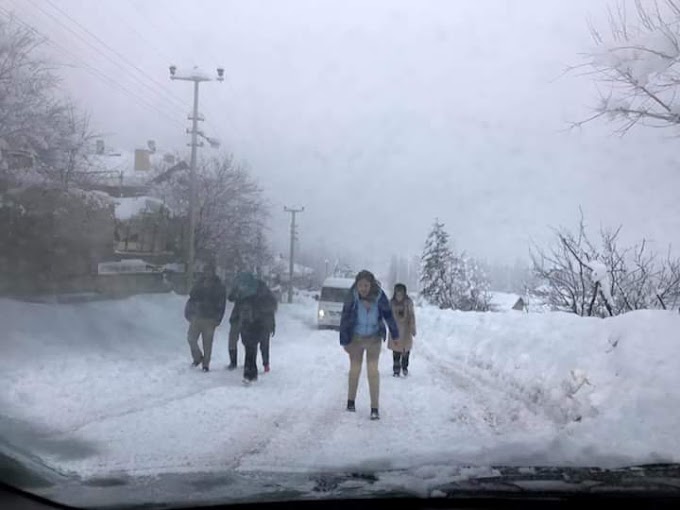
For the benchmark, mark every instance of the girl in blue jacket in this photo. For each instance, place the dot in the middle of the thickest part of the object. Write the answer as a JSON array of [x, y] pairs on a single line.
[[362, 329]]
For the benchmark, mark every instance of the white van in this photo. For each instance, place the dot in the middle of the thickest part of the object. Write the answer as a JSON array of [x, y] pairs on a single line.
[[333, 295]]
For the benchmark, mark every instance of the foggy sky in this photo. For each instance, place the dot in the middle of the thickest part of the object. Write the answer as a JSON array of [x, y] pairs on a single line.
[[380, 116]]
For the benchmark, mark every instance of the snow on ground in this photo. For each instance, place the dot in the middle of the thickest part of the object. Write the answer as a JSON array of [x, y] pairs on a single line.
[[107, 388]]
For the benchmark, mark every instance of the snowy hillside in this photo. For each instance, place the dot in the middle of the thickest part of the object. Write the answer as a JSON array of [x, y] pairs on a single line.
[[106, 387]]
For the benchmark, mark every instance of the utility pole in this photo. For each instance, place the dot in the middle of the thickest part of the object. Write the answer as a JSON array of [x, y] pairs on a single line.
[[197, 77], [291, 267]]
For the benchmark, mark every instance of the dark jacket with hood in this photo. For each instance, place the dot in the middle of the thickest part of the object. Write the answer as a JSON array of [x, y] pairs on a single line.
[[350, 310], [207, 300], [254, 305]]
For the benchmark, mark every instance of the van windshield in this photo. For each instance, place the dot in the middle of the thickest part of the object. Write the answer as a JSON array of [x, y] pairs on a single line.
[[333, 294]]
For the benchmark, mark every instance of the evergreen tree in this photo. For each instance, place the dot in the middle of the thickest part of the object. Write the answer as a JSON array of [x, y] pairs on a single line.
[[436, 265], [449, 280]]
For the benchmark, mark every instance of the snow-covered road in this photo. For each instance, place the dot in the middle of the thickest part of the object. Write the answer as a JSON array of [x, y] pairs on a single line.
[[107, 388]]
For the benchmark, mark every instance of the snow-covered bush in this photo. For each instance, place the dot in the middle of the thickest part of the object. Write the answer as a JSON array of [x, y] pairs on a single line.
[[590, 280], [49, 236]]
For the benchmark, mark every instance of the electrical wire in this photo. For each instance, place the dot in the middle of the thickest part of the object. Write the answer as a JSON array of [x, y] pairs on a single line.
[[96, 49], [163, 87], [104, 78]]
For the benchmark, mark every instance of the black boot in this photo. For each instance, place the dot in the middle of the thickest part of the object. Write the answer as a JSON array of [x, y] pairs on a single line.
[[404, 363], [232, 359], [396, 356], [350, 406]]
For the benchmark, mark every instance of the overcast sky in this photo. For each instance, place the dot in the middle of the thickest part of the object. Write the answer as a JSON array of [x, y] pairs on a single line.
[[379, 116]]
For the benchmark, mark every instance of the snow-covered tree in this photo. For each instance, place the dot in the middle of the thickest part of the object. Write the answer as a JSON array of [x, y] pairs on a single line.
[[436, 266], [471, 289], [636, 65], [449, 280], [231, 213], [34, 118]]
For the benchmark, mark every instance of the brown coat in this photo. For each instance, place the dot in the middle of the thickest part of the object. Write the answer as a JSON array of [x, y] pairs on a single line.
[[405, 316]]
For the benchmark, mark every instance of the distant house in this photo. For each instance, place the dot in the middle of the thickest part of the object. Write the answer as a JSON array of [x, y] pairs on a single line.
[[130, 173], [519, 305], [145, 227]]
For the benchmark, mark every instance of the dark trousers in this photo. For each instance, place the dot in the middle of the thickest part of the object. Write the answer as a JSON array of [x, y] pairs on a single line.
[[400, 361], [251, 338], [264, 349]]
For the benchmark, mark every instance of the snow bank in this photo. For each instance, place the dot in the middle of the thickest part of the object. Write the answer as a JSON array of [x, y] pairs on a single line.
[[612, 383]]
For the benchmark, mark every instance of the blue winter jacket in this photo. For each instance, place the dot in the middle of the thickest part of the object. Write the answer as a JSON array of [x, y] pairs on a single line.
[[349, 316]]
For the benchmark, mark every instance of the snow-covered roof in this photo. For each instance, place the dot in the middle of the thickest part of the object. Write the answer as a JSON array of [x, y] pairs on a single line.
[[282, 265], [338, 283], [124, 161], [126, 208]]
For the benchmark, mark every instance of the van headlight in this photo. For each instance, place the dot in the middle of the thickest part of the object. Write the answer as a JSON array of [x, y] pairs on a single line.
[[322, 314]]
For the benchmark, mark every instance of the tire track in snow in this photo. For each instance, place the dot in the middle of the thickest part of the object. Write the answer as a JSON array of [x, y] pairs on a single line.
[[315, 414], [485, 390]]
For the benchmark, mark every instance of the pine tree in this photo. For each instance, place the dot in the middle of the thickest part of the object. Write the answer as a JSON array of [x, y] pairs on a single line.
[[436, 268]]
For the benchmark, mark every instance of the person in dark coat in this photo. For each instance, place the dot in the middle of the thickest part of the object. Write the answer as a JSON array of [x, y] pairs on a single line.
[[204, 311], [256, 320], [362, 329]]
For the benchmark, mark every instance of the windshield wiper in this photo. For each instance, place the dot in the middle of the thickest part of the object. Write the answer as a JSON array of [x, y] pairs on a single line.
[[641, 479]]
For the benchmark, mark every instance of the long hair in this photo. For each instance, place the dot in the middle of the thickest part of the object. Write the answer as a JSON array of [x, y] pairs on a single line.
[[369, 277]]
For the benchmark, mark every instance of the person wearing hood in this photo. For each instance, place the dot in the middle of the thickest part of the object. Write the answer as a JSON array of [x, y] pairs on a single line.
[[404, 314], [256, 320], [362, 329], [205, 310]]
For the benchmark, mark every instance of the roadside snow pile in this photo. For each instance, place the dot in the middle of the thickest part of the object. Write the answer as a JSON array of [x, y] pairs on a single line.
[[611, 382], [87, 359]]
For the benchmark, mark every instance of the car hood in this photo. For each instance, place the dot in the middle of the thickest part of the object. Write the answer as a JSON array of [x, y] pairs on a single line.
[[174, 490]]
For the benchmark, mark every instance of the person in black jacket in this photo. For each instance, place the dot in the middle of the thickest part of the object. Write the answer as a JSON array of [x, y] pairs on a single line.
[[256, 319], [205, 311]]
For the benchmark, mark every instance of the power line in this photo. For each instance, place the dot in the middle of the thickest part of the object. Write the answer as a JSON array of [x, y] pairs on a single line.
[[91, 70], [54, 18], [160, 53], [169, 94]]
